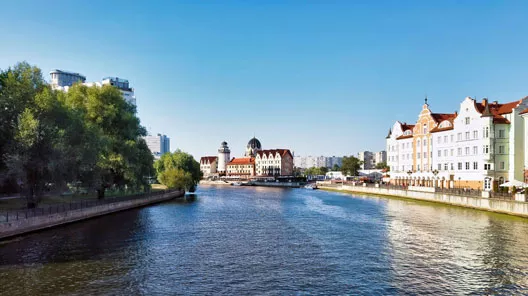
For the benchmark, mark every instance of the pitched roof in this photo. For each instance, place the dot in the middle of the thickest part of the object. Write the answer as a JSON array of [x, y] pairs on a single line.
[[406, 126], [242, 160], [439, 117], [209, 159], [437, 129], [282, 152], [497, 110], [404, 137], [524, 111]]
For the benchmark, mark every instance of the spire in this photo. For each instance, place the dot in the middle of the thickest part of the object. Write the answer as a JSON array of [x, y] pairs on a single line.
[[426, 100]]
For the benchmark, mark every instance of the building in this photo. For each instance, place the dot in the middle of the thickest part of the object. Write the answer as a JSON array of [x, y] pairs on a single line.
[[380, 157], [224, 156], [61, 79], [253, 147], [158, 145], [367, 159], [208, 165], [122, 84], [479, 147], [243, 167], [275, 162], [306, 162]]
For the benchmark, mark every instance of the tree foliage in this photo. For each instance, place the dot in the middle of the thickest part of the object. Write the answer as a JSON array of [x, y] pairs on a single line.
[[315, 171], [350, 166], [88, 135], [382, 166], [170, 163]]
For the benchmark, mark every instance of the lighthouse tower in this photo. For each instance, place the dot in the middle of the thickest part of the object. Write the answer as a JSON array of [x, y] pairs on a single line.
[[224, 155]]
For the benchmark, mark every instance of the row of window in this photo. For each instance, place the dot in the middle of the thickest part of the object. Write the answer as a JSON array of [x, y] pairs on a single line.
[[446, 152]]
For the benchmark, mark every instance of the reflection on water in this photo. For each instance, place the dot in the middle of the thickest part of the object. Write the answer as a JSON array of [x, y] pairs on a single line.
[[225, 240]]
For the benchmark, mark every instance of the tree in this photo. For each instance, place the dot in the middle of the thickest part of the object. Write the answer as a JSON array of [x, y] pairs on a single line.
[[176, 179], [315, 171], [336, 167], [121, 157], [182, 161], [350, 165], [382, 166]]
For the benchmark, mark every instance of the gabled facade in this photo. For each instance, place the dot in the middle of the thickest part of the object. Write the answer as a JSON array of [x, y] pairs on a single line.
[[479, 147], [274, 162], [208, 165]]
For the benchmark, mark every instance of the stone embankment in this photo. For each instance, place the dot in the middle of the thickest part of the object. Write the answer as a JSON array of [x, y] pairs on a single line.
[[22, 225], [510, 207]]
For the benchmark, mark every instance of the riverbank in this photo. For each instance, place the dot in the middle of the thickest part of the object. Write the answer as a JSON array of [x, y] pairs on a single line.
[[65, 215], [515, 208]]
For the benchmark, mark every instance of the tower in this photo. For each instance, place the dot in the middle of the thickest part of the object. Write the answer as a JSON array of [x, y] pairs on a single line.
[[224, 155]]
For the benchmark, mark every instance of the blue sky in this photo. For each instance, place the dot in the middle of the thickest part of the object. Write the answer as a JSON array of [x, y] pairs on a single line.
[[318, 77]]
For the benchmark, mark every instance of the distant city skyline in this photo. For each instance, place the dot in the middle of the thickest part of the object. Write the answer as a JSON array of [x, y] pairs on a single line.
[[319, 78]]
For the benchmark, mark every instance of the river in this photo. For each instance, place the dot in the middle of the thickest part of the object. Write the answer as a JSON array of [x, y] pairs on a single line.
[[270, 241]]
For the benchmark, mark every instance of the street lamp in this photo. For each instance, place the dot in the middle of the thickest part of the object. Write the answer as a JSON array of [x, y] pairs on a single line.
[[409, 172], [459, 178], [435, 172]]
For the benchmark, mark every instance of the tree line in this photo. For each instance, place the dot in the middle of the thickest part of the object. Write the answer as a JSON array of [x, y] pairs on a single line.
[[88, 136]]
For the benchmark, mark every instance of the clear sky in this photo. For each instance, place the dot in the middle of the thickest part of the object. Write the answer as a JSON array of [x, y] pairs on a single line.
[[318, 77]]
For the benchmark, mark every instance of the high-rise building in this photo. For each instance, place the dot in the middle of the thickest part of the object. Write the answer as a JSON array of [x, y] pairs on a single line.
[[158, 145], [61, 79], [380, 157], [367, 158], [305, 162]]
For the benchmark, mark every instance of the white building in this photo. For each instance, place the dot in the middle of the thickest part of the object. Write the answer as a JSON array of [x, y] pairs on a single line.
[[158, 145], [122, 84], [275, 162], [306, 162], [479, 147], [224, 156], [208, 165], [380, 157], [61, 79]]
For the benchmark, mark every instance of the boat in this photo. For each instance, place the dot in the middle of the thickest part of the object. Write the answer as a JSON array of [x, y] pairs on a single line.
[[236, 184], [310, 186]]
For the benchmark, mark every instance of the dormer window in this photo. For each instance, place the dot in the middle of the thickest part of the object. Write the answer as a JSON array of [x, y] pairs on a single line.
[[425, 128], [445, 124], [407, 133]]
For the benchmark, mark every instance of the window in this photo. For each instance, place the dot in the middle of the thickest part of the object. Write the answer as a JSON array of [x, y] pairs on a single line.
[[418, 167], [452, 152], [475, 165], [425, 154], [466, 120], [439, 140], [501, 133], [446, 167], [486, 132], [445, 139], [452, 166], [439, 153], [418, 155], [485, 149], [459, 151], [487, 166], [425, 128], [418, 143], [487, 184], [475, 150], [439, 167], [467, 135], [425, 142], [501, 166], [452, 138], [459, 166], [467, 150], [459, 137], [501, 149], [475, 134], [467, 165], [445, 152]]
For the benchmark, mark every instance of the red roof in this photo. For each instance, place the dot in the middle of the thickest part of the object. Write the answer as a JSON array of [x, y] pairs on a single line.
[[282, 152], [242, 160], [439, 117], [406, 126], [210, 159], [441, 129], [524, 111], [404, 137]]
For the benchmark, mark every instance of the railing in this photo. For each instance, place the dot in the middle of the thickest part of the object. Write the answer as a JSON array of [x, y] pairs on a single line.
[[15, 215], [502, 195]]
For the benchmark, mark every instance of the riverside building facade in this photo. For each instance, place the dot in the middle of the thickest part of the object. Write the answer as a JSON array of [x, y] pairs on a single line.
[[480, 146]]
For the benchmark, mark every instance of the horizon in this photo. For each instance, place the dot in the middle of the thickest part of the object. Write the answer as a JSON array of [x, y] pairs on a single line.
[[319, 79]]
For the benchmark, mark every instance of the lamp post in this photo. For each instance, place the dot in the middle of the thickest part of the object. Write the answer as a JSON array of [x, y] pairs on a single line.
[[435, 172], [459, 178], [409, 172]]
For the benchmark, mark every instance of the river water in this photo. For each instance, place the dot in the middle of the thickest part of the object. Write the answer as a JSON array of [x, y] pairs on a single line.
[[267, 241]]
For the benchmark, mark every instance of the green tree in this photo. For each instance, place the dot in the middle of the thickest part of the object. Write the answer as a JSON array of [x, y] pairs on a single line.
[[336, 167], [176, 179], [182, 161], [350, 165], [121, 158], [382, 166]]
